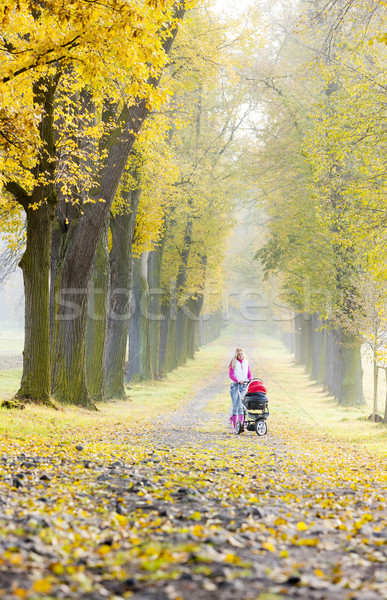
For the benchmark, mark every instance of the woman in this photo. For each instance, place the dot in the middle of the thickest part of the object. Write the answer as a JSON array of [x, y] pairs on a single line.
[[240, 373]]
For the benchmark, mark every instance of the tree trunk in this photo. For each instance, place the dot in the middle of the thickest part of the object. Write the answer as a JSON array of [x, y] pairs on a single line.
[[181, 281], [385, 406], [316, 345], [305, 324], [323, 357], [69, 384], [155, 299], [171, 359], [212, 326], [352, 380], [181, 336], [291, 342], [121, 272], [97, 323], [309, 330], [195, 306], [164, 335], [376, 373], [144, 322], [287, 337], [134, 358], [139, 365], [35, 264], [333, 374], [298, 337]]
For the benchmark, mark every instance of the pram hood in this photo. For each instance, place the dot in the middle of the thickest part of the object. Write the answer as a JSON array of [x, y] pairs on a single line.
[[256, 386]]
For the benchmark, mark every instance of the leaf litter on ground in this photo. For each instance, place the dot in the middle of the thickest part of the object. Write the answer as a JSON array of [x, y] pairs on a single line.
[[173, 510]]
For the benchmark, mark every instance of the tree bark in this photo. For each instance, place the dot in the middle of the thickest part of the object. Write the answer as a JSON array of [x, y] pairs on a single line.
[[305, 326], [139, 364], [35, 264], [309, 344], [69, 344], [323, 357], [145, 343], [181, 280], [164, 335], [297, 337], [195, 306], [375, 399], [120, 308], [97, 323], [181, 336], [134, 360], [171, 358], [351, 393], [333, 375], [316, 345], [215, 325], [155, 317]]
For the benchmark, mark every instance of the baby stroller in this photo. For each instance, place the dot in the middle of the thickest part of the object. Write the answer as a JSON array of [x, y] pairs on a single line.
[[255, 408]]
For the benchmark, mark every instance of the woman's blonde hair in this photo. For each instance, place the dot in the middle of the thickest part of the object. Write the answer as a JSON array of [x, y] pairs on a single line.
[[235, 357]]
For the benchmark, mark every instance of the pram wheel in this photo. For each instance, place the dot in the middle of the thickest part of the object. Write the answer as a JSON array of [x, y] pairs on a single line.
[[261, 427], [238, 427]]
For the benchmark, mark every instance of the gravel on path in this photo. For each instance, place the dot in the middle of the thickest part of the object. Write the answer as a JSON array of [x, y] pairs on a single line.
[[185, 484]]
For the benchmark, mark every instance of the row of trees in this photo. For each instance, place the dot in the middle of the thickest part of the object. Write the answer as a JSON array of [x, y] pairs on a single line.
[[322, 175], [117, 145]]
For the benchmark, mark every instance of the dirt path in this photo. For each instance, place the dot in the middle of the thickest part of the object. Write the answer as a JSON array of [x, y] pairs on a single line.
[[180, 508]]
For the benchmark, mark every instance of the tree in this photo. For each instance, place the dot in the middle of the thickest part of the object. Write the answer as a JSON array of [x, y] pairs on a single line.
[[369, 322], [29, 139], [310, 223], [179, 256]]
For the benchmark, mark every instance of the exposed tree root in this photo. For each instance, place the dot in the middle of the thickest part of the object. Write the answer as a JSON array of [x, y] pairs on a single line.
[[375, 418], [20, 402]]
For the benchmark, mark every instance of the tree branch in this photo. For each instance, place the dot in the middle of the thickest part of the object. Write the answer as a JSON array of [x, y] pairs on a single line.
[[18, 192]]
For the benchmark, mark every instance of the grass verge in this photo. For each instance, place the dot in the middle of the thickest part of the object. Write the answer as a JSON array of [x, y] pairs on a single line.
[[296, 399], [147, 400], [293, 398]]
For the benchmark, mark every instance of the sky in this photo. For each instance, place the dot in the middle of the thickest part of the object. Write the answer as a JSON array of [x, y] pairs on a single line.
[[232, 5]]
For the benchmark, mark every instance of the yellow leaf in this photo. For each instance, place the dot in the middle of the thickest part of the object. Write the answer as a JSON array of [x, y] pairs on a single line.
[[15, 558], [198, 530], [196, 516], [269, 547], [232, 559], [367, 517], [42, 585], [308, 542], [20, 593], [301, 526], [57, 568], [121, 519]]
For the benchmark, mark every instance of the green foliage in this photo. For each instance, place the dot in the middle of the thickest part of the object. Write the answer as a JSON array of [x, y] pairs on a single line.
[[324, 141]]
